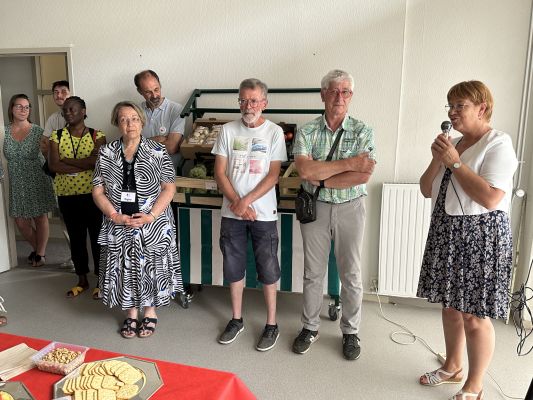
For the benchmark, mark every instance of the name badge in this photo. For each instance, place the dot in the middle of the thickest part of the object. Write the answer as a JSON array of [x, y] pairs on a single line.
[[127, 196]]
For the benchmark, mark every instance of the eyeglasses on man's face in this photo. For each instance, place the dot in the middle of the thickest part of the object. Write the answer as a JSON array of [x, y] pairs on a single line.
[[127, 121], [20, 107], [345, 93], [457, 107], [249, 102]]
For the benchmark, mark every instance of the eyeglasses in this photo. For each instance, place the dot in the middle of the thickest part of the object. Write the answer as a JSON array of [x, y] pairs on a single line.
[[250, 102], [20, 107], [335, 92], [127, 121], [456, 107]]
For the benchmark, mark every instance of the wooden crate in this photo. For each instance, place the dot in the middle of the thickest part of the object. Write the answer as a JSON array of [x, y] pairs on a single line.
[[214, 200], [289, 185], [190, 150]]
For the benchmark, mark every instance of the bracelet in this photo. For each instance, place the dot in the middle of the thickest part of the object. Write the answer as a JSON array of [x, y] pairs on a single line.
[[152, 214]]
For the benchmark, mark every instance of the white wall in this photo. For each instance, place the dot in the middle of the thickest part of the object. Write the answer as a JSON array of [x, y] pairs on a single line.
[[404, 55], [17, 76]]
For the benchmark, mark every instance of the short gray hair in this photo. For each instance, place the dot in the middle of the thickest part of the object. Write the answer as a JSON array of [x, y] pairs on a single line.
[[252, 83], [127, 104], [336, 75]]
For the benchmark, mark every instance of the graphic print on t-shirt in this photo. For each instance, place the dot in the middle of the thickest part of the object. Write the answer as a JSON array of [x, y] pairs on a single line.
[[240, 154], [257, 156]]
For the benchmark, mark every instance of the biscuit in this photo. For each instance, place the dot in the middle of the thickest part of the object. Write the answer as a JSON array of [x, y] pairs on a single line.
[[127, 391]]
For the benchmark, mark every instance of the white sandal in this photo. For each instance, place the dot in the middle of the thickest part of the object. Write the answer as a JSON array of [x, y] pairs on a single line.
[[439, 376], [460, 395]]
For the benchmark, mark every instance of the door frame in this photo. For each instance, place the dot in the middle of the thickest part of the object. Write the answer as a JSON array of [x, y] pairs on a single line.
[[7, 232]]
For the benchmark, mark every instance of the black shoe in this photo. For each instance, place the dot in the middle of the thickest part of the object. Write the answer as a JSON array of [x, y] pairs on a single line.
[[231, 332], [31, 257], [268, 338], [350, 346], [304, 340]]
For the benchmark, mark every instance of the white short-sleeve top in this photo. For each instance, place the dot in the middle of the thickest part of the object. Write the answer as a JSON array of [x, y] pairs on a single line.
[[493, 158]]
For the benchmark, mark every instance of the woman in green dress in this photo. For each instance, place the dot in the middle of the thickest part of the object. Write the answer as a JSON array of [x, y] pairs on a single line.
[[31, 195]]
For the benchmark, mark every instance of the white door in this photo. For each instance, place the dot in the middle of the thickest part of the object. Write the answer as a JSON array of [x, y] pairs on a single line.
[[7, 237]]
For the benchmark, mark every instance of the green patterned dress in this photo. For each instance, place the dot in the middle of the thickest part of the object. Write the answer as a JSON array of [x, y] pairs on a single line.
[[30, 191]]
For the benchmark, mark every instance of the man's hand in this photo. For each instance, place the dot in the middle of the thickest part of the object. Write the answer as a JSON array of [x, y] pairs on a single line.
[[239, 206], [362, 163], [249, 214], [159, 138]]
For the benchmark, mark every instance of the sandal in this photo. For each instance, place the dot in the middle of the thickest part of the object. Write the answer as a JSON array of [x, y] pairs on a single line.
[[75, 291], [97, 294], [148, 330], [460, 395], [3, 320], [38, 260], [31, 257], [439, 376], [128, 331]]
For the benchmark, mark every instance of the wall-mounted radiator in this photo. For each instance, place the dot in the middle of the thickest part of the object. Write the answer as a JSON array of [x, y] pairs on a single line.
[[405, 217]]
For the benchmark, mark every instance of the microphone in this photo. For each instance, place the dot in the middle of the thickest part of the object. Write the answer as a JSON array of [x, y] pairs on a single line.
[[445, 127]]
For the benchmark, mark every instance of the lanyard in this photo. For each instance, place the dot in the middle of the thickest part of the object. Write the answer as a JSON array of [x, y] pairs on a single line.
[[128, 165], [75, 150]]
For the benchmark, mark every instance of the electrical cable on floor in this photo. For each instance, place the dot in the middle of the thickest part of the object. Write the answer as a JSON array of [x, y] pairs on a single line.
[[407, 332], [520, 310]]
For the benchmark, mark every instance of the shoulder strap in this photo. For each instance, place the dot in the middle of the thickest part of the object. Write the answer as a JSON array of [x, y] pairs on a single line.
[[330, 156], [335, 143], [93, 134], [59, 133]]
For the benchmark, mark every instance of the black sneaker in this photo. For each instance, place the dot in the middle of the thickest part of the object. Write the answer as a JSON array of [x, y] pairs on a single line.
[[304, 340], [350, 346], [231, 332], [268, 338]]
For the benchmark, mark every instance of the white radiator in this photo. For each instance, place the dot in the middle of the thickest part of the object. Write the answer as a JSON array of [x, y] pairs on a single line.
[[405, 217]]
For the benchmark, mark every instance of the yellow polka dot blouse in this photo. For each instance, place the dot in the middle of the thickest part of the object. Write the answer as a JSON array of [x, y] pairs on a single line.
[[70, 147]]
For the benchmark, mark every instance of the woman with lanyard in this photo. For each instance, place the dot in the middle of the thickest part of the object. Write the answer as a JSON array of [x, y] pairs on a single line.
[[134, 182], [72, 156]]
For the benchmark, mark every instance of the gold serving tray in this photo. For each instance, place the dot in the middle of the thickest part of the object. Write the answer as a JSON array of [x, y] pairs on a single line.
[[149, 384]]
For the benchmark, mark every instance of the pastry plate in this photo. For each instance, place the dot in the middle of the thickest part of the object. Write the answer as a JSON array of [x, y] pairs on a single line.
[[150, 383], [17, 390]]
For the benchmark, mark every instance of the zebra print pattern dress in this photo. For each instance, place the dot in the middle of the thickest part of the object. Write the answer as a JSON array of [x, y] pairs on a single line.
[[139, 267]]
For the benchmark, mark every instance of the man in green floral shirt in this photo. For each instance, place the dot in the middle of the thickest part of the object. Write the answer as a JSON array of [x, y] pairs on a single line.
[[340, 208]]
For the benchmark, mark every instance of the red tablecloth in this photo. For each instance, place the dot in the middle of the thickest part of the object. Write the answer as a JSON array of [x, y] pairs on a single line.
[[180, 381]]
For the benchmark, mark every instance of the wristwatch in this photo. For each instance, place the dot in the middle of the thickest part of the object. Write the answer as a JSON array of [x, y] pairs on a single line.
[[457, 165]]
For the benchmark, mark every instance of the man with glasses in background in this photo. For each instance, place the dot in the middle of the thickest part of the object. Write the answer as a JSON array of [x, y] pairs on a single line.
[[163, 121], [248, 157], [340, 208]]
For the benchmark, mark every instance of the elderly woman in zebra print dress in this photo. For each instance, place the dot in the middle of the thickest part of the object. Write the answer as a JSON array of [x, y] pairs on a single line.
[[133, 186]]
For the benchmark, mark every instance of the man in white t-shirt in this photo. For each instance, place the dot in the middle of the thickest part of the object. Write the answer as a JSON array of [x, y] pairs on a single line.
[[61, 92], [163, 121], [249, 153]]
